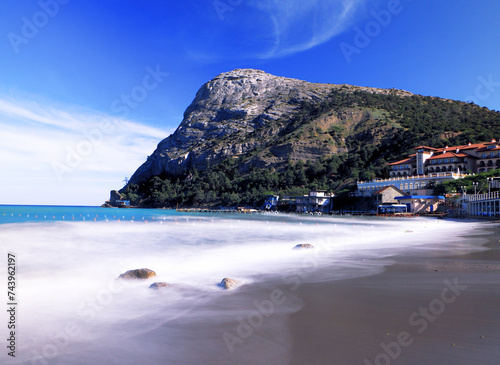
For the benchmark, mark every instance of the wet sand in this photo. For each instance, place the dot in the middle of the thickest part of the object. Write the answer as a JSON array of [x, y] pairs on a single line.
[[420, 310], [427, 306]]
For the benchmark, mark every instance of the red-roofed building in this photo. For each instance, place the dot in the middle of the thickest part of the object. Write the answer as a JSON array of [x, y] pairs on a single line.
[[474, 158], [488, 157], [413, 174], [404, 167], [444, 161]]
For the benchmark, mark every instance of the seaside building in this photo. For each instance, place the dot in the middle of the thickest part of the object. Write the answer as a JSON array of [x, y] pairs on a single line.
[[421, 203], [271, 202], [316, 201], [419, 172], [392, 199], [387, 195], [416, 185]]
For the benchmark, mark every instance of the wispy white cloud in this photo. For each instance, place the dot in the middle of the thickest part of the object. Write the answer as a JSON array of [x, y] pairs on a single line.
[[266, 29], [65, 156], [301, 25]]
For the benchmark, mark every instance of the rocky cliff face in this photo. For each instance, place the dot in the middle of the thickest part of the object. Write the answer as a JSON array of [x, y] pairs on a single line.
[[254, 114]]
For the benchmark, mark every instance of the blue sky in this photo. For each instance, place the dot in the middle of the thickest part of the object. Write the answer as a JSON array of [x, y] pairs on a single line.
[[88, 88]]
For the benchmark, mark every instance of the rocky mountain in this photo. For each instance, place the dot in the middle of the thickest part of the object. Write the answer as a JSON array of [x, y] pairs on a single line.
[[252, 120], [241, 111]]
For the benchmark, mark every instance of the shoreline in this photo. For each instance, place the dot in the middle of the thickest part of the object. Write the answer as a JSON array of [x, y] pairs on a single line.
[[466, 218], [400, 316]]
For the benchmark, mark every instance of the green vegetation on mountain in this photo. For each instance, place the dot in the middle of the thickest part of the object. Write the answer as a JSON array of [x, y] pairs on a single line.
[[224, 185], [424, 120], [312, 136]]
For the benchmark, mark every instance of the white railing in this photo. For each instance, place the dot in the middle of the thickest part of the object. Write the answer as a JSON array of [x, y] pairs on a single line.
[[482, 197], [433, 175]]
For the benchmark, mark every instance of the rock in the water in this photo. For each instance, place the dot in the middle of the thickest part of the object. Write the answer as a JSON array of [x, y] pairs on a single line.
[[114, 196], [158, 285], [301, 246], [228, 283], [138, 274]]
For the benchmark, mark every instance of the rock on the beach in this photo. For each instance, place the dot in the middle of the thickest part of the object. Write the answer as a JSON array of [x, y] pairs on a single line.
[[138, 274], [228, 283], [301, 246], [158, 285]]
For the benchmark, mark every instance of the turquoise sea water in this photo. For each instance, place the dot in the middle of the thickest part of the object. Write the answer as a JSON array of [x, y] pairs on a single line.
[[44, 213]]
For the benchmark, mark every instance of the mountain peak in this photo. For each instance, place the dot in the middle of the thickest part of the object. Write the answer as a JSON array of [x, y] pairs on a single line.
[[243, 72], [237, 102], [247, 85]]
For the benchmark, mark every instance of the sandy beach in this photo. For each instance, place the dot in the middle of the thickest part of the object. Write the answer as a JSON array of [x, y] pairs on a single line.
[[424, 308], [372, 291], [420, 310]]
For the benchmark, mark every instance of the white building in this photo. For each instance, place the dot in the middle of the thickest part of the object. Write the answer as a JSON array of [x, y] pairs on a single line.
[[316, 201], [411, 185]]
